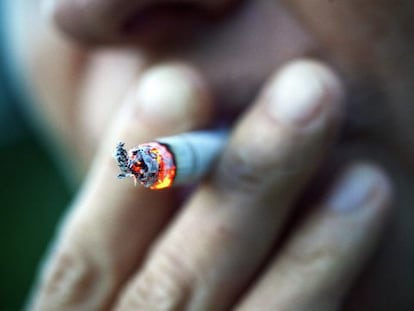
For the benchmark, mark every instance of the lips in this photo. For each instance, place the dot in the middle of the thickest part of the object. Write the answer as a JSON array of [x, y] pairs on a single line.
[[165, 23], [139, 21]]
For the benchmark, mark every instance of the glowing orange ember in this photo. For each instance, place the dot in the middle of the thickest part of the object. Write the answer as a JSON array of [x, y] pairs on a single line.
[[151, 164], [166, 172]]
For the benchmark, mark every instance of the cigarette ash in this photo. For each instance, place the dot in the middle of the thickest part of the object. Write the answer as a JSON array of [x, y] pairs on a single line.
[[150, 164]]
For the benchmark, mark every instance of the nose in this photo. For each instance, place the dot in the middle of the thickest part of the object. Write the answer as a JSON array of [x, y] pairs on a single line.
[[114, 21]]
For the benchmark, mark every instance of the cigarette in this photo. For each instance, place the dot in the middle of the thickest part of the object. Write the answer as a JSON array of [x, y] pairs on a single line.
[[173, 160]]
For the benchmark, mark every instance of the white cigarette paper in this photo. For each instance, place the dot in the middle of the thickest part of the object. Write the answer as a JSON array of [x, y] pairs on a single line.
[[194, 153], [172, 160]]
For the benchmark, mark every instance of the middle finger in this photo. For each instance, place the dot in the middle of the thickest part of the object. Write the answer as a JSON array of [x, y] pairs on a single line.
[[213, 249]]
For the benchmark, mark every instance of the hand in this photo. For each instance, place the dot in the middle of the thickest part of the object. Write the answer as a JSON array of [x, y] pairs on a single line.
[[126, 248], [78, 90]]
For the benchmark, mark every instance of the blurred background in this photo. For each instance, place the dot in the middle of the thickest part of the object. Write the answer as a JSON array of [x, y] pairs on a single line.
[[33, 195]]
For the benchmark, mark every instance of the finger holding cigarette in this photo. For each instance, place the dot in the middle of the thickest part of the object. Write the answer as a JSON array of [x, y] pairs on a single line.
[[120, 249], [214, 247], [88, 266]]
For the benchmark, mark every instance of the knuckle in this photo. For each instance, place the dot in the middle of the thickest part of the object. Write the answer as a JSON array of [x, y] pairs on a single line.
[[165, 284], [256, 168], [311, 259], [69, 281], [240, 171]]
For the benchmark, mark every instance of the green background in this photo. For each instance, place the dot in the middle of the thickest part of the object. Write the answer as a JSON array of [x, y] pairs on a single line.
[[32, 198]]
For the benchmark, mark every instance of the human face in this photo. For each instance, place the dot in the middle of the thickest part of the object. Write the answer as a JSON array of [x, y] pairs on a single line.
[[77, 88], [236, 45]]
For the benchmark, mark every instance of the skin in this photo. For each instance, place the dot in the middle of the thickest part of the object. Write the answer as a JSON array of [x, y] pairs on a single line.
[[223, 248]]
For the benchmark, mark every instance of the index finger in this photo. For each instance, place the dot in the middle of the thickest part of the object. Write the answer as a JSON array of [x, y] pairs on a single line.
[[112, 223]]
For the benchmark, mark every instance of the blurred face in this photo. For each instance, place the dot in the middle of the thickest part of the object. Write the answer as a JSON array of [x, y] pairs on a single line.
[[80, 59], [79, 73]]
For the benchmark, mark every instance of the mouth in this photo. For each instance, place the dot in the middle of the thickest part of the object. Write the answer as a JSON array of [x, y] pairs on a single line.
[[131, 22], [164, 24]]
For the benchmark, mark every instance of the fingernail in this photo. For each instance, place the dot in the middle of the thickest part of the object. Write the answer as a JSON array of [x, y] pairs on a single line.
[[360, 185], [168, 93], [299, 92]]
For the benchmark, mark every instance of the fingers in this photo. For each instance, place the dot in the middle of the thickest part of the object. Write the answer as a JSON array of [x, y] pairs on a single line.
[[98, 21], [106, 79], [112, 222], [315, 269], [212, 251]]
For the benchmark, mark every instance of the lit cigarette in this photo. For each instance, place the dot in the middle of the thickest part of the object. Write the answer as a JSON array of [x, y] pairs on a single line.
[[173, 160]]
